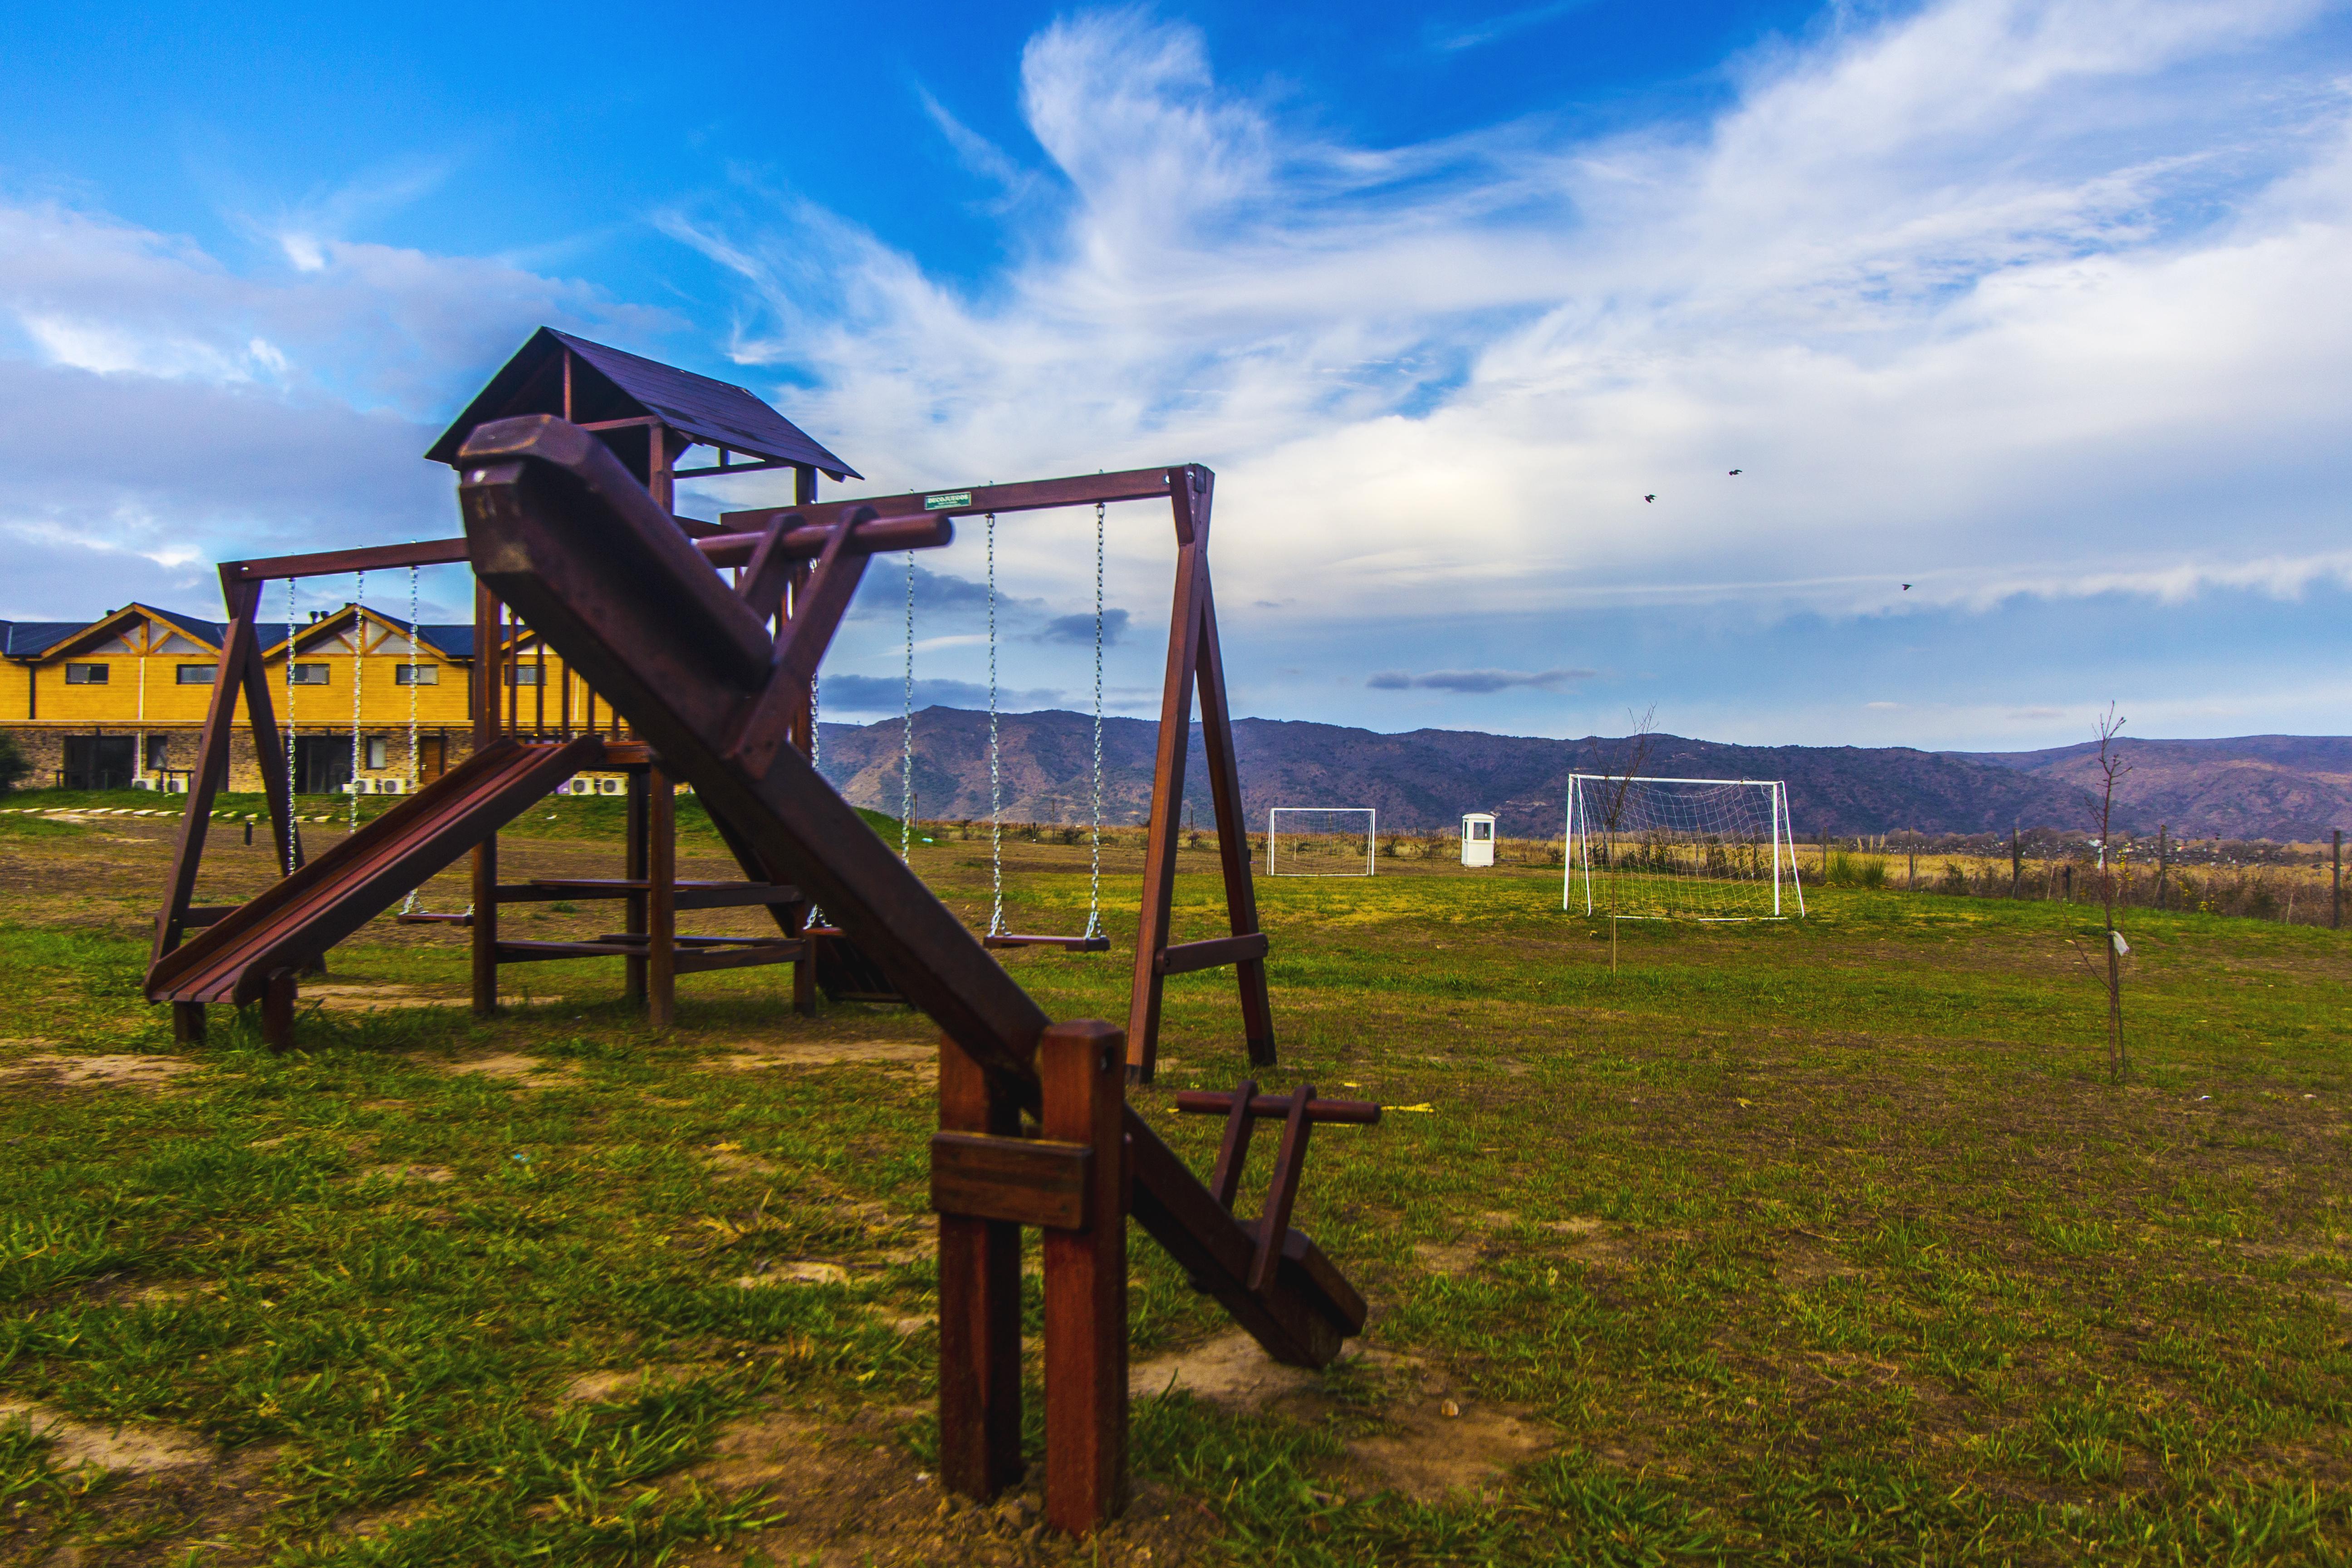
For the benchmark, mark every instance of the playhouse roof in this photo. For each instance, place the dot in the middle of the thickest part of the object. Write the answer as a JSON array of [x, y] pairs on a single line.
[[712, 412]]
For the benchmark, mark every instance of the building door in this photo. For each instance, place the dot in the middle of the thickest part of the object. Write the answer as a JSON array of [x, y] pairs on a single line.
[[432, 758], [322, 764], [98, 762]]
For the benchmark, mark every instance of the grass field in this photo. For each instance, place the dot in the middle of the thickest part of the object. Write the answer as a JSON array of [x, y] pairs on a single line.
[[1807, 1243]]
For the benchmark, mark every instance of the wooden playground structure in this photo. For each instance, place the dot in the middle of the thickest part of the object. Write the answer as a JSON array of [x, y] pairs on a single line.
[[570, 523]]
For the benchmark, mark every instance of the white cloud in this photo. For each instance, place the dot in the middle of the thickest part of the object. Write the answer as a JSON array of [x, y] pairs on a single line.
[[1995, 298], [165, 409]]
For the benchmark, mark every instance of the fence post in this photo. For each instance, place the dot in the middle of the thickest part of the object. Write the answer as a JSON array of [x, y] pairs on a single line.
[[2335, 896], [2163, 860], [2016, 859]]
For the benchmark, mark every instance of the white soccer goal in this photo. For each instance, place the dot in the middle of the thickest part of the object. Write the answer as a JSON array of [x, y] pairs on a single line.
[[1686, 849], [1321, 841]]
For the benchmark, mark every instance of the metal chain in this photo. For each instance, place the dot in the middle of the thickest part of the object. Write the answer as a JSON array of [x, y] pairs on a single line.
[[416, 775], [816, 754], [907, 740], [358, 657], [995, 773], [286, 846], [1094, 874]]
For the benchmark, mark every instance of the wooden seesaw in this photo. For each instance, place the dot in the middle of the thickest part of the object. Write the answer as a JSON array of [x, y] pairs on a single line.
[[1034, 1124]]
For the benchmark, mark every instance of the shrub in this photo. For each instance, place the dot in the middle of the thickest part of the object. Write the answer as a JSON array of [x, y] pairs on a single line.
[[14, 763]]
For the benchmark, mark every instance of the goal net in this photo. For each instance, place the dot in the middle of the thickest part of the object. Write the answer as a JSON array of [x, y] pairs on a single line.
[[1320, 841], [1681, 849]]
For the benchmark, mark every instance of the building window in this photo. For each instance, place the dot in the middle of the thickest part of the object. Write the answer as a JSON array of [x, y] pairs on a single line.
[[159, 753], [416, 675], [85, 675], [522, 675], [377, 749], [197, 674], [310, 675]]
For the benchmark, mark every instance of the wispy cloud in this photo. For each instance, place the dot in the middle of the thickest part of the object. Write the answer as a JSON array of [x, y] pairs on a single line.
[[1981, 284], [1451, 37], [1473, 680]]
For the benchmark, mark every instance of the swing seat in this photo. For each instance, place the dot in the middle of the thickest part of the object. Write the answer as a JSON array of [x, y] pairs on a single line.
[[1066, 943]]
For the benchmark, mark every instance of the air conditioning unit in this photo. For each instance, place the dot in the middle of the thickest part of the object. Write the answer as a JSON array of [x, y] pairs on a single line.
[[175, 786], [612, 786], [391, 786], [357, 786], [142, 783]]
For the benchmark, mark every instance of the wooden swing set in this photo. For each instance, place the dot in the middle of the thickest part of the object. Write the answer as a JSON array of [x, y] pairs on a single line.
[[649, 414]]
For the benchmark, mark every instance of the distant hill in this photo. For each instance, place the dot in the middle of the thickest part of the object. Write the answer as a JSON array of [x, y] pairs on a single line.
[[2272, 786], [2288, 787]]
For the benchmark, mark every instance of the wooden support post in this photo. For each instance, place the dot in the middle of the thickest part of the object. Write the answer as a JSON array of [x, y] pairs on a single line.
[[188, 1023], [661, 899], [489, 658], [278, 1011], [979, 1305], [637, 863], [1082, 1069], [1193, 656], [1232, 830], [2336, 894]]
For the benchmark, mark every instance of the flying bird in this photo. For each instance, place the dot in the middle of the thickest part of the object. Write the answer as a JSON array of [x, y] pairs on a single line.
[[1907, 587], [1649, 497], [1735, 472]]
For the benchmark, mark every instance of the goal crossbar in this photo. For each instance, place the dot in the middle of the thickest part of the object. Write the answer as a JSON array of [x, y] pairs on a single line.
[[1371, 830]]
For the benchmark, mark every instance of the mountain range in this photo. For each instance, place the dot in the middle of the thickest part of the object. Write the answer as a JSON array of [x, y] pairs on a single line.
[[2285, 787]]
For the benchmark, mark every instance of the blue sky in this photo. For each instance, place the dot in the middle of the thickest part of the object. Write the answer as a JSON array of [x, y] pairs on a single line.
[[2040, 308]]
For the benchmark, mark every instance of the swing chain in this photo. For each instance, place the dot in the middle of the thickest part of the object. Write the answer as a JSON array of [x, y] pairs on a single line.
[[286, 844], [1094, 878], [995, 773], [907, 740], [359, 656], [416, 775], [815, 916]]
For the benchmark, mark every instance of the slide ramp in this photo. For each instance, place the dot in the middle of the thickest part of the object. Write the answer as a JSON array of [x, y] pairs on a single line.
[[299, 918]]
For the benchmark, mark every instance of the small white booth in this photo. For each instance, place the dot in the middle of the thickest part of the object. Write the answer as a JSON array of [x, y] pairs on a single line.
[[1478, 839]]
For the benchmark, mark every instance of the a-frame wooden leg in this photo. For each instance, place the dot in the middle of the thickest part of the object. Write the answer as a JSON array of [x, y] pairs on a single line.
[[1168, 781], [1233, 829], [980, 1305], [1081, 1067]]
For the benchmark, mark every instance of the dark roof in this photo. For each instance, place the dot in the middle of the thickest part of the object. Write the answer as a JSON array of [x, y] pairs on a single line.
[[711, 412], [23, 639], [211, 631], [449, 639], [29, 640]]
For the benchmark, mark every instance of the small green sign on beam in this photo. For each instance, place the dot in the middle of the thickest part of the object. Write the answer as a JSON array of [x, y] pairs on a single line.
[[960, 499]]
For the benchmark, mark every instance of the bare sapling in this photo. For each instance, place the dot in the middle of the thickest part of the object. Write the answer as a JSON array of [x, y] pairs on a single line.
[[1619, 767], [2112, 769]]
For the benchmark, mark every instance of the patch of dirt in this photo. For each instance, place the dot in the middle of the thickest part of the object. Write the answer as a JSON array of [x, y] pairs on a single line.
[[511, 1064], [736, 1162], [1436, 1440], [129, 1450], [132, 1071], [751, 1055], [799, 1273], [849, 1494], [434, 1173], [1433, 1438], [1232, 1370], [1801, 1262], [1441, 1257]]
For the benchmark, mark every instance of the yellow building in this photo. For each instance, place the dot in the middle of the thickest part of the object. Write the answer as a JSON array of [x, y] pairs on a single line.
[[118, 703]]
